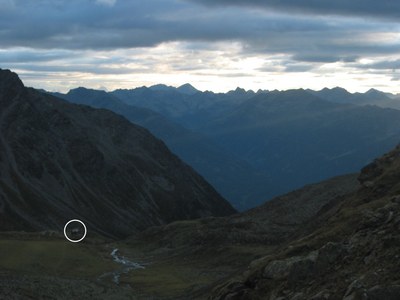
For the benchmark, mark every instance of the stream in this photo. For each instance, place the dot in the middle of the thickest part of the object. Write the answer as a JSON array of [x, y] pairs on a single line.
[[127, 267]]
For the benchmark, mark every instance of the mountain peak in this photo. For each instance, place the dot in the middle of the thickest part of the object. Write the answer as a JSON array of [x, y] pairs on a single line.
[[9, 81], [161, 87], [188, 89], [241, 90], [376, 94], [10, 87], [339, 89], [373, 91], [238, 90], [83, 90]]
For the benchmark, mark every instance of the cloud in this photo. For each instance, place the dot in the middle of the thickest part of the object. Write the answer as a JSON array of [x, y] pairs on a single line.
[[380, 65], [380, 9], [106, 2], [298, 68]]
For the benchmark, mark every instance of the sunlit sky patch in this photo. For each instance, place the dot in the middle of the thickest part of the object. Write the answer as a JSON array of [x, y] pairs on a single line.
[[214, 45]]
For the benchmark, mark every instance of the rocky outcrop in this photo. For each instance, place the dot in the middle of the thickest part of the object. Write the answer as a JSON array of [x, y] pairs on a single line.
[[298, 268]]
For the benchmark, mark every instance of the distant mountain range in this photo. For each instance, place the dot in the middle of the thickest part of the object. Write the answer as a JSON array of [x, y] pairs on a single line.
[[371, 97], [261, 144], [189, 110], [299, 138], [186, 88], [61, 161]]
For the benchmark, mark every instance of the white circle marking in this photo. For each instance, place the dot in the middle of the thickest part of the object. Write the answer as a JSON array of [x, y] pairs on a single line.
[[65, 231]]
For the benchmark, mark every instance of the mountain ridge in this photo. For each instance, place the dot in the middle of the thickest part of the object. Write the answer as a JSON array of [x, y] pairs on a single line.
[[60, 161]]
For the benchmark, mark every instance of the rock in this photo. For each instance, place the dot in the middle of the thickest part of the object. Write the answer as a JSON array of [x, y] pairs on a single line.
[[279, 269], [355, 286], [237, 291], [322, 295], [298, 296], [395, 199], [368, 259], [303, 268], [368, 184], [328, 255], [384, 292], [357, 289], [374, 218], [295, 268]]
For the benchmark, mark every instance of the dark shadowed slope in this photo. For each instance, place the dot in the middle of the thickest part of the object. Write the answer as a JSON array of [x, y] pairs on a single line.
[[60, 161]]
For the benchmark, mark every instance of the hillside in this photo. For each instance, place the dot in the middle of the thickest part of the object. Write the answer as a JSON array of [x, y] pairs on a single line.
[[60, 161], [348, 251]]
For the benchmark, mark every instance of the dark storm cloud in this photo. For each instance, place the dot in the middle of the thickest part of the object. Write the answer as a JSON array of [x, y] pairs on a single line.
[[85, 24], [28, 55], [381, 9], [77, 25], [92, 69], [381, 65]]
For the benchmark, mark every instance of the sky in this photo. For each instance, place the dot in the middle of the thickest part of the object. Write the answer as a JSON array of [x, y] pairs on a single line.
[[215, 45]]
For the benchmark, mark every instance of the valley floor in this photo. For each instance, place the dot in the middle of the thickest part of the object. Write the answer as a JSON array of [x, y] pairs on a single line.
[[42, 266]]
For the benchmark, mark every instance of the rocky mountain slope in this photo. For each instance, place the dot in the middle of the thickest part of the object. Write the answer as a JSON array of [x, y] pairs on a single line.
[[348, 251], [60, 161]]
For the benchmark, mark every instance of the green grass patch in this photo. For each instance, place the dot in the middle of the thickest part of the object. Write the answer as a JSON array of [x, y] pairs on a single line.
[[54, 257]]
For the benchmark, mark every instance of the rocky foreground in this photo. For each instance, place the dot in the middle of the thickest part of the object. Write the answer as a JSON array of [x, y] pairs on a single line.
[[349, 251]]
